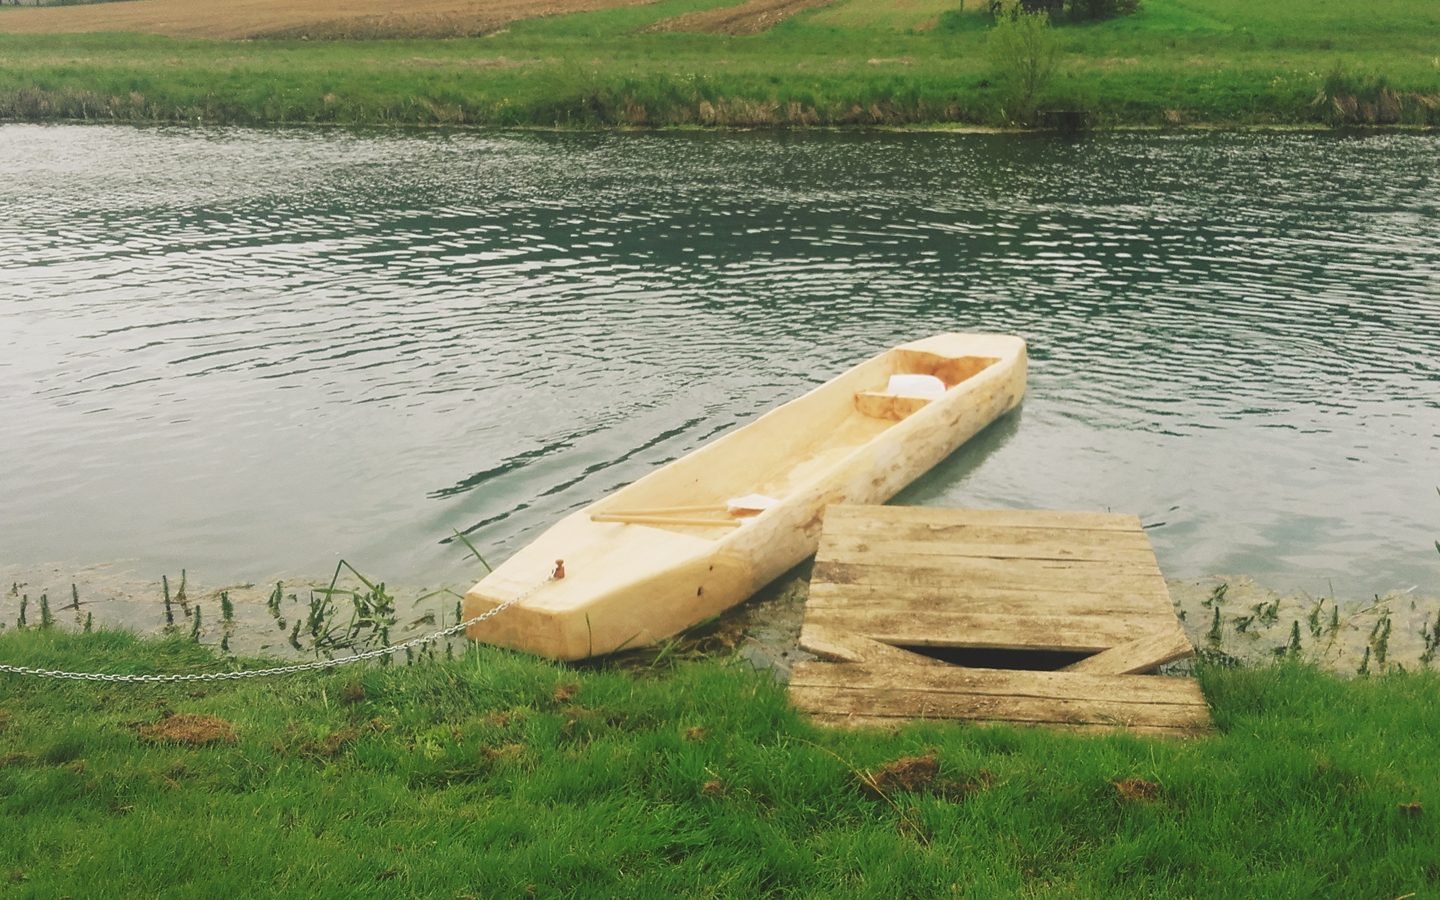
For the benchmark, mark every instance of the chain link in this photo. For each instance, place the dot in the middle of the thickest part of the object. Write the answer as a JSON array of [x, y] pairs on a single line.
[[315, 666]]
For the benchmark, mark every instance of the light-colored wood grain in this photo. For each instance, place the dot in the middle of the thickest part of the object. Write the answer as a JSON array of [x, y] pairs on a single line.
[[1140, 655], [672, 510], [632, 583], [1019, 518], [843, 525], [992, 543], [960, 573], [887, 406]]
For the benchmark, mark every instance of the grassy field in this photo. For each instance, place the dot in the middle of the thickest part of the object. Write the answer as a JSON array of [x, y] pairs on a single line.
[[855, 62], [499, 775]]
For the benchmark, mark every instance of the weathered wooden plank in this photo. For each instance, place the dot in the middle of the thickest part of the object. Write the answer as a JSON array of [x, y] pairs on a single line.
[[839, 720], [941, 565], [845, 598], [982, 598], [846, 646], [861, 529], [961, 573], [1140, 655], [1009, 684], [962, 705], [865, 549], [1081, 634], [945, 526], [998, 579], [837, 517], [1000, 682], [1068, 575]]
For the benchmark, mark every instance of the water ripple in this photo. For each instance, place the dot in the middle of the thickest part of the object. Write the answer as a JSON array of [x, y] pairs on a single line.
[[262, 349]]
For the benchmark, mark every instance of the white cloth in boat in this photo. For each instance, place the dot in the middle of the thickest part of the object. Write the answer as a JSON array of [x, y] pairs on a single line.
[[749, 504], [919, 387]]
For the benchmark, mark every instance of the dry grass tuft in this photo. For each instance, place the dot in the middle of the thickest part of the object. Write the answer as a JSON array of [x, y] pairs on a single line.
[[1137, 790], [189, 729]]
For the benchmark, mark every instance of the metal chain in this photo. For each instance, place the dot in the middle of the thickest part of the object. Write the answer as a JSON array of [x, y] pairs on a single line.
[[274, 670]]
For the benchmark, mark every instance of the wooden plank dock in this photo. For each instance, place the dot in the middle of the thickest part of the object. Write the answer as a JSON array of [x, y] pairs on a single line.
[[1073, 604]]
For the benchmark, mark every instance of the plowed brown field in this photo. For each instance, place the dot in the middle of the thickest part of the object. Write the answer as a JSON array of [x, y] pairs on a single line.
[[750, 17], [236, 19]]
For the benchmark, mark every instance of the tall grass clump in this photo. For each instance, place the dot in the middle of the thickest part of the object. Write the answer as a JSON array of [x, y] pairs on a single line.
[[1347, 98]]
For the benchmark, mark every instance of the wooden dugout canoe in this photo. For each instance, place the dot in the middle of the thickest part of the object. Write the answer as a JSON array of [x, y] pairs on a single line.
[[662, 554]]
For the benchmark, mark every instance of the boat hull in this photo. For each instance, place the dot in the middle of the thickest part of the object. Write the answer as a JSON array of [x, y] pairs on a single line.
[[630, 584]]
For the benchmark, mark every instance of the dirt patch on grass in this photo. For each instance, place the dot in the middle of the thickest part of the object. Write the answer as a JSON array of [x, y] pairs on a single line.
[[750, 17], [1137, 790], [920, 775], [908, 773], [315, 19], [192, 730]]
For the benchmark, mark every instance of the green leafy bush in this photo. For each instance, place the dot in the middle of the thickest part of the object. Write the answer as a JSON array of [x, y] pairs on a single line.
[[1078, 10], [1024, 50]]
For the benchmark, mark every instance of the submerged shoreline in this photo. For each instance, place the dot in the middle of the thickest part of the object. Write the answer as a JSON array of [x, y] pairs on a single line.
[[26, 105], [1231, 620], [918, 127]]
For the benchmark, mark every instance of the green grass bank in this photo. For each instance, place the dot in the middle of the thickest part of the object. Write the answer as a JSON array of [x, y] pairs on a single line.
[[855, 63], [495, 774]]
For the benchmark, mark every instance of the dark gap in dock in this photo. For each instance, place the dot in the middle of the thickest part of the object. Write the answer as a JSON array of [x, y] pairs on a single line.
[[1002, 658]]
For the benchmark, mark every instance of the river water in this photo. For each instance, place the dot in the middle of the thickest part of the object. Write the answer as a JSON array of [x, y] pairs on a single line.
[[255, 352]]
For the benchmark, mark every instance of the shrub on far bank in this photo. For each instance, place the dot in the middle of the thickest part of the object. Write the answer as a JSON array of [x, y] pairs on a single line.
[[1024, 51], [1082, 10], [1074, 10]]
